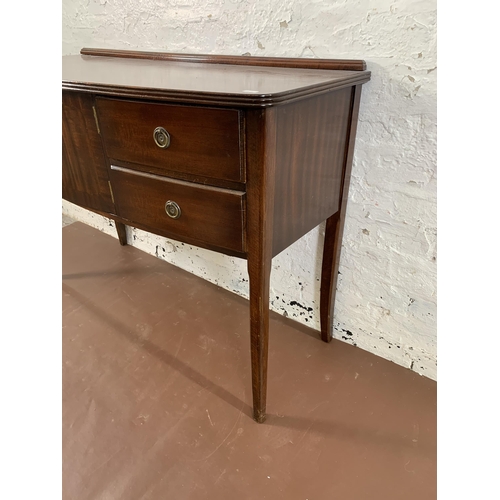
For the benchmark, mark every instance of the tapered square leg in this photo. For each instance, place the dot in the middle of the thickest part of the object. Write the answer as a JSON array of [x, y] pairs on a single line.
[[259, 273], [329, 274], [261, 163], [335, 229]]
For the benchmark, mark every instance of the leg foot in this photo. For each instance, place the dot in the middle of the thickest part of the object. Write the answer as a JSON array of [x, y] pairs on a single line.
[[122, 233], [259, 417], [259, 273]]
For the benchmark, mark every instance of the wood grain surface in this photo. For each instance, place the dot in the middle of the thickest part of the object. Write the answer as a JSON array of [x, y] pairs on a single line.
[[261, 160], [203, 141], [208, 214], [201, 83], [335, 228], [84, 170], [311, 144], [278, 62]]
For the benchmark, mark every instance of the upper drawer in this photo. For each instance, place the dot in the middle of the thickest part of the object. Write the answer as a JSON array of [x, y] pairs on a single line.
[[203, 141]]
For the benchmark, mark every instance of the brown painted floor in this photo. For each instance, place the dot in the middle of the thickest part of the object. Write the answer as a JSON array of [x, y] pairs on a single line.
[[157, 395]]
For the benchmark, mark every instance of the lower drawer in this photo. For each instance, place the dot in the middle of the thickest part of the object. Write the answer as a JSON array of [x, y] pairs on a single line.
[[180, 209]]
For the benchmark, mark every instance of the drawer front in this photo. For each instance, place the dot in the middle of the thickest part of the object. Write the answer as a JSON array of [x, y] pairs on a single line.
[[207, 214], [203, 141]]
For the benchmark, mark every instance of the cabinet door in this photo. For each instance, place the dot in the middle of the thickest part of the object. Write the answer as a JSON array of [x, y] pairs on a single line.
[[85, 180]]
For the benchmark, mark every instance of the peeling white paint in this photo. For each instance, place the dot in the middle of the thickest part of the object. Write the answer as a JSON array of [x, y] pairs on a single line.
[[386, 299]]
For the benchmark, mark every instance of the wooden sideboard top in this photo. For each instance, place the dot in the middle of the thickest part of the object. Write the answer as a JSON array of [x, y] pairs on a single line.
[[218, 80]]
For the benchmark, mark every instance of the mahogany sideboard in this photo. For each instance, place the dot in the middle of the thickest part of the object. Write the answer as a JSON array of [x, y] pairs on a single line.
[[240, 155]]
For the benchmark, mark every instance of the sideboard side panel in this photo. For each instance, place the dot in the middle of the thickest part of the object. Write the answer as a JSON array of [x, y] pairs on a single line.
[[311, 146], [84, 169]]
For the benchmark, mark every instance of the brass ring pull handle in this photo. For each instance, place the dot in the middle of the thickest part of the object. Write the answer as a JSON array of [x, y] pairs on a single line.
[[161, 137], [173, 210]]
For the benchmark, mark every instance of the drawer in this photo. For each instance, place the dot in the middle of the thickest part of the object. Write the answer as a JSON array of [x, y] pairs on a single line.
[[207, 214], [203, 141]]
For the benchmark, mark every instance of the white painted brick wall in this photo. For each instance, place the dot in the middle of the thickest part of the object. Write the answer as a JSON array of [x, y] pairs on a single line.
[[386, 299]]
